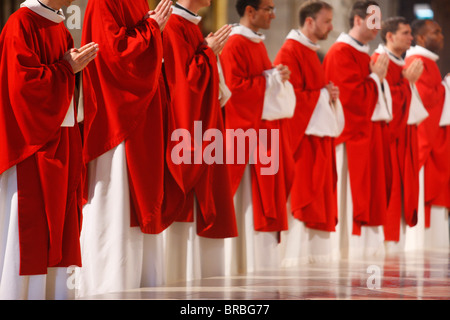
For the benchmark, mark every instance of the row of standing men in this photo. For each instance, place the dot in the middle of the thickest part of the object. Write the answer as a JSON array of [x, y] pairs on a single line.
[[106, 192]]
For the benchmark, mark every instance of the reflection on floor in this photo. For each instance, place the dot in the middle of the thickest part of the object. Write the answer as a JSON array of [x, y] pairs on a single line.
[[406, 276]]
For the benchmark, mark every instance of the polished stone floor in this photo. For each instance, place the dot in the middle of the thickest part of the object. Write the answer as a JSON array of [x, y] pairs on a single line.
[[401, 276]]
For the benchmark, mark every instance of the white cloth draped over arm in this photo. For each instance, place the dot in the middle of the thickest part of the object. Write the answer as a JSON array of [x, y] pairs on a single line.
[[327, 119], [280, 100], [417, 111], [445, 118], [383, 110]]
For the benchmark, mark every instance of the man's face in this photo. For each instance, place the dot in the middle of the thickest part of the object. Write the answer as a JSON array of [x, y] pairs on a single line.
[[264, 14], [402, 39], [370, 32], [433, 37], [323, 24]]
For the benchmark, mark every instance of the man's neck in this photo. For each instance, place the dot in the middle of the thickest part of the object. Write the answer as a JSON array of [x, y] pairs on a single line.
[[52, 4], [310, 35], [356, 35], [398, 53], [246, 23], [190, 5]]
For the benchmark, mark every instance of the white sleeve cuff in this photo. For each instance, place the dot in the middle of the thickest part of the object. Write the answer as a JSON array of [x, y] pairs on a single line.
[[383, 109], [417, 111]]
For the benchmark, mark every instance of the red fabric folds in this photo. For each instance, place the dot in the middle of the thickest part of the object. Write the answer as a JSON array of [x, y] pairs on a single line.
[[193, 81], [244, 62], [314, 190], [126, 100], [349, 69]]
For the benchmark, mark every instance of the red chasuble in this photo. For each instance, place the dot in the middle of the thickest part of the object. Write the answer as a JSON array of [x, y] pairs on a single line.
[[404, 195], [244, 62], [313, 193], [434, 140], [37, 86], [193, 78], [126, 101], [348, 68]]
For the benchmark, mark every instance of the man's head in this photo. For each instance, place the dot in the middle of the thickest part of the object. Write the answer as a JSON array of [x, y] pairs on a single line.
[[257, 14], [359, 20], [428, 34], [316, 19], [396, 35]]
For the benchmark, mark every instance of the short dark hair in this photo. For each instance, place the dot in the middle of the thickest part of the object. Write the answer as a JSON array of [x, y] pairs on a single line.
[[391, 25], [242, 4], [360, 9], [310, 8], [418, 26]]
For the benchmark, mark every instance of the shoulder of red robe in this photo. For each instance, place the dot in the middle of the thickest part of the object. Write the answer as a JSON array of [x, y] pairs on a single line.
[[36, 7], [424, 52]]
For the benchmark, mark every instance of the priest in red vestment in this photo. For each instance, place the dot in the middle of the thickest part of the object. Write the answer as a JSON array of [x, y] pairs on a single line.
[[434, 132], [40, 161], [132, 195], [348, 65], [263, 167], [404, 197], [249, 73], [194, 83], [317, 121]]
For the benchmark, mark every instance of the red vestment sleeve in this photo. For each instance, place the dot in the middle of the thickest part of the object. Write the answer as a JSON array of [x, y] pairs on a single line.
[[193, 80], [25, 128]]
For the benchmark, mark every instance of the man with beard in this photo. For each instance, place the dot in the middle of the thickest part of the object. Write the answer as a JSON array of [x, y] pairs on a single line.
[[434, 132]]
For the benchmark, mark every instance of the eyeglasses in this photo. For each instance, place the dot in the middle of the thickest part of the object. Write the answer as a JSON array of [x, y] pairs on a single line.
[[270, 10]]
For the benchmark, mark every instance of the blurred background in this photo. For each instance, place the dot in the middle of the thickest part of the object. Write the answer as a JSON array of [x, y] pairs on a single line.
[[223, 11]]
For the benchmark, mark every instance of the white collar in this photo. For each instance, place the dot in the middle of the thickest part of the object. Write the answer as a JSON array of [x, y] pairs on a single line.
[[36, 7], [248, 33], [195, 19], [346, 38], [397, 60], [297, 35], [421, 51]]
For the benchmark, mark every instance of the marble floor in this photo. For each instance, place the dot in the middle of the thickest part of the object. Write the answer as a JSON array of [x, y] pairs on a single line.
[[401, 276]]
